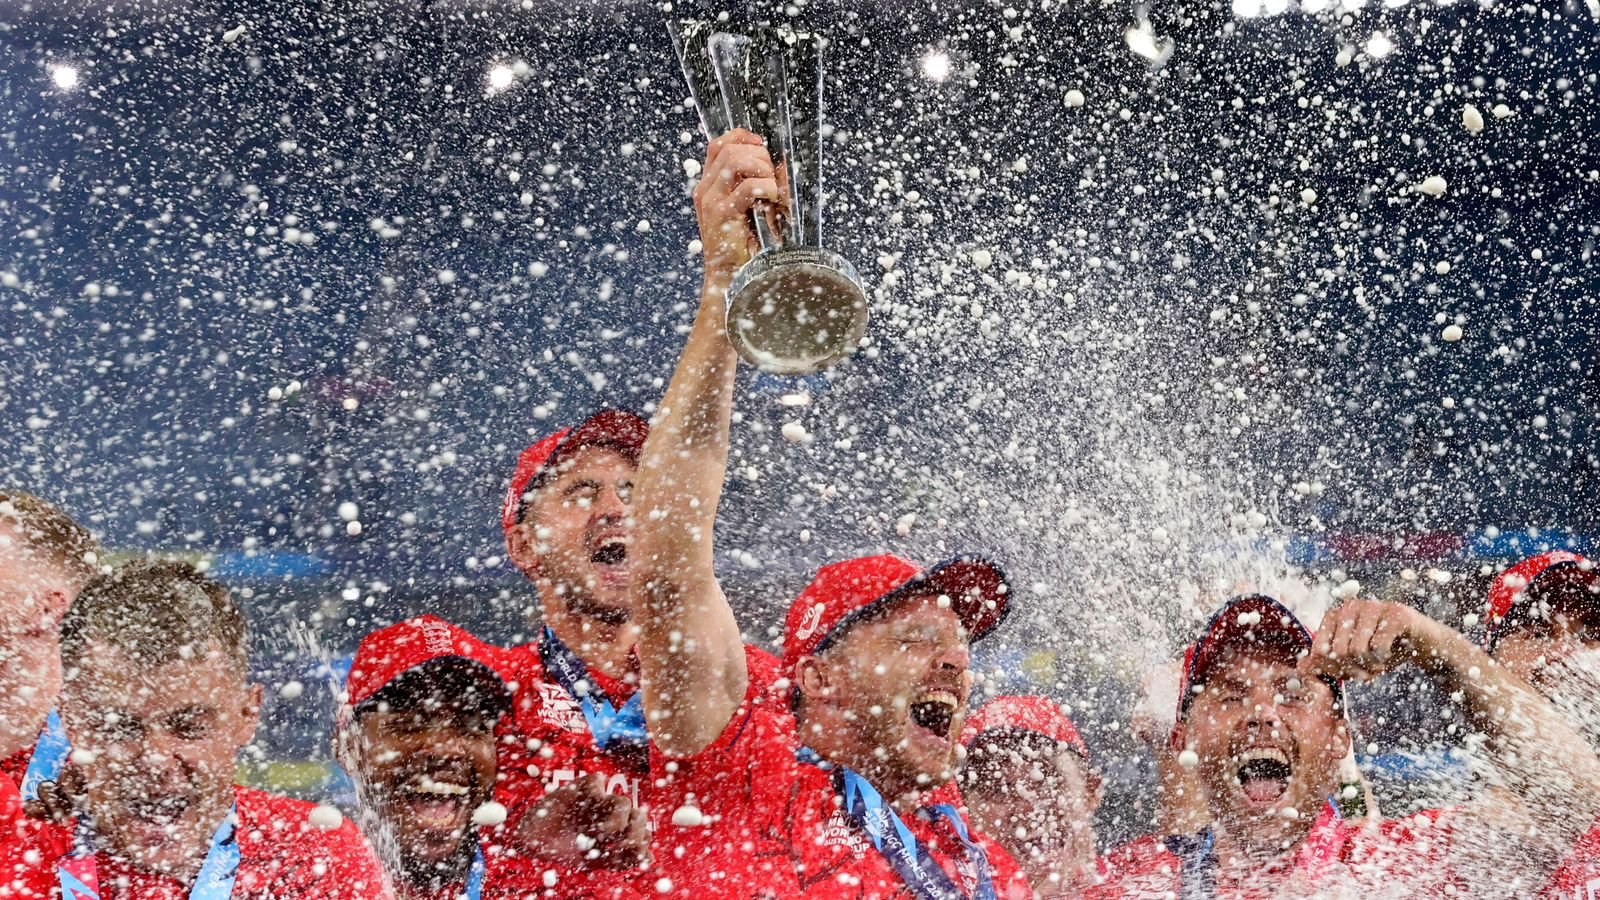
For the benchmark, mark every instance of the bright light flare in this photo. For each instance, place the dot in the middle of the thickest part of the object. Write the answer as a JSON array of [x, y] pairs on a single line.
[[936, 65], [1379, 45], [65, 77], [500, 77]]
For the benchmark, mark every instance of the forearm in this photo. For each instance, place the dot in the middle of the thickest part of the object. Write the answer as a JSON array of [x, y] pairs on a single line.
[[690, 648], [1538, 755]]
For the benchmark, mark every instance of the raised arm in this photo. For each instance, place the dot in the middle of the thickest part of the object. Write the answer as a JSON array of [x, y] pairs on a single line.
[[1538, 755], [691, 653]]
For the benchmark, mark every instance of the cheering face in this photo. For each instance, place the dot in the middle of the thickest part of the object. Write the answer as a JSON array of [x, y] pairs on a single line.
[[1269, 740], [1035, 797], [33, 596], [157, 748], [576, 531], [902, 680], [427, 769]]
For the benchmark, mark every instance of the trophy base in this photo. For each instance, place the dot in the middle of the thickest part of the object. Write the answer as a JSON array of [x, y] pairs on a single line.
[[796, 312]]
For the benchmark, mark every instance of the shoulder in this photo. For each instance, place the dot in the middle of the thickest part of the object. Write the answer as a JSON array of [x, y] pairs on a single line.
[[1142, 866], [284, 823], [763, 668]]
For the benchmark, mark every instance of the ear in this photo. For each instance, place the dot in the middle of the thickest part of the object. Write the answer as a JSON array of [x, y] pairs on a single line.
[[250, 714], [1178, 737], [521, 549], [1091, 780], [55, 604], [811, 674]]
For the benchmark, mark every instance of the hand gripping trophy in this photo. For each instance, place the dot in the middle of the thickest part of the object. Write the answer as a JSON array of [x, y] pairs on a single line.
[[795, 308]]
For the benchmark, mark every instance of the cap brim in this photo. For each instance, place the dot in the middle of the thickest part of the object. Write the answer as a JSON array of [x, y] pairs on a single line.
[[1252, 620], [977, 587], [610, 428], [456, 676], [1518, 615]]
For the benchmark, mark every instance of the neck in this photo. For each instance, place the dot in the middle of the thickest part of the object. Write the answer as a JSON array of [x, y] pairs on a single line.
[[833, 742], [20, 729], [422, 879], [603, 646], [1261, 841]]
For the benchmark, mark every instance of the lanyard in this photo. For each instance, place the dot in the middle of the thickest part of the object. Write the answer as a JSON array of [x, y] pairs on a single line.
[[80, 879], [474, 889], [606, 722], [889, 834], [49, 755]]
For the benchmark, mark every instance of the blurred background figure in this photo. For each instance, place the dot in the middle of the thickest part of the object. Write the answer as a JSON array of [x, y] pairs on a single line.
[[418, 736], [45, 559], [1029, 786]]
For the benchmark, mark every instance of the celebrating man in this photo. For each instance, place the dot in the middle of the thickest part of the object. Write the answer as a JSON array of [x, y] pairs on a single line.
[[1543, 623], [157, 703], [418, 735], [840, 783], [573, 776], [45, 559], [1262, 715], [1028, 782]]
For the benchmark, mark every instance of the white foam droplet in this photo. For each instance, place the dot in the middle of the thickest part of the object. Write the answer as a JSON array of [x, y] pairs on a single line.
[[687, 816], [83, 757], [1433, 186], [1308, 196], [1471, 119], [349, 511], [1074, 98], [794, 432], [324, 817], [291, 690], [233, 34], [1470, 620], [983, 259], [489, 814], [902, 526], [1451, 333], [1188, 759]]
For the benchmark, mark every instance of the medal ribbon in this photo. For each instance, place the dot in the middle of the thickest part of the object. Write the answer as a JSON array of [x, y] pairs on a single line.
[[889, 834], [606, 722], [49, 755]]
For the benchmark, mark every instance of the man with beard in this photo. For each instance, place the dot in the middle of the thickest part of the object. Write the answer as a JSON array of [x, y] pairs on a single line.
[[45, 559], [157, 703], [1543, 623], [1262, 717], [838, 784], [417, 735], [580, 742], [1027, 782]]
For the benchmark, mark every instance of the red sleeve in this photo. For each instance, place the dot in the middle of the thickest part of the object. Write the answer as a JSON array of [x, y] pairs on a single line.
[[28, 855], [1578, 876]]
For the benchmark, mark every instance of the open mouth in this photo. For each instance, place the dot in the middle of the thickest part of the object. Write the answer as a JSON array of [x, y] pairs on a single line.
[[934, 711], [1264, 774], [437, 800], [611, 552]]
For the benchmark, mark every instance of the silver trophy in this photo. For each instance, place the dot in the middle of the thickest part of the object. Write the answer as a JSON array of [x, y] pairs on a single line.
[[795, 308]]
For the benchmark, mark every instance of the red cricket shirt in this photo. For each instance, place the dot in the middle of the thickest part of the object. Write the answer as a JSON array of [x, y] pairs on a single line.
[[281, 857], [545, 743], [1578, 877], [1338, 855], [773, 827]]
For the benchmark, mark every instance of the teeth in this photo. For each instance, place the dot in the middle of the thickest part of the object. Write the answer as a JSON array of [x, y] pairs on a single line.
[[1269, 753], [944, 698], [443, 788]]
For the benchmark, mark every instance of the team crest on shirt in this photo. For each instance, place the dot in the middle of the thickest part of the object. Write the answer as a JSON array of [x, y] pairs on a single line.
[[557, 708], [838, 832]]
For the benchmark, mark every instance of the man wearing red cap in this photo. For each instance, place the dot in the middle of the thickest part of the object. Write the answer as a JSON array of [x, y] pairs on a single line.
[[1028, 782], [580, 756], [840, 783], [157, 704], [417, 733], [1543, 623], [1262, 716]]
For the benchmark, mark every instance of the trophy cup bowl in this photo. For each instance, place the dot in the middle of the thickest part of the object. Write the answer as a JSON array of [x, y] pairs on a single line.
[[796, 312]]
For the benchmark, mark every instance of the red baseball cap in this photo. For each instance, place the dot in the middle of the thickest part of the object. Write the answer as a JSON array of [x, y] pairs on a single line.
[[388, 653], [1247, 619], [1039, 715], [843, 592], [612, 428], [1511, 586]]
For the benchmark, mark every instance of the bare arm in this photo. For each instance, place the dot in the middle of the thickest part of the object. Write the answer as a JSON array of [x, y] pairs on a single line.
[[1539, 756], [691, 653]]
